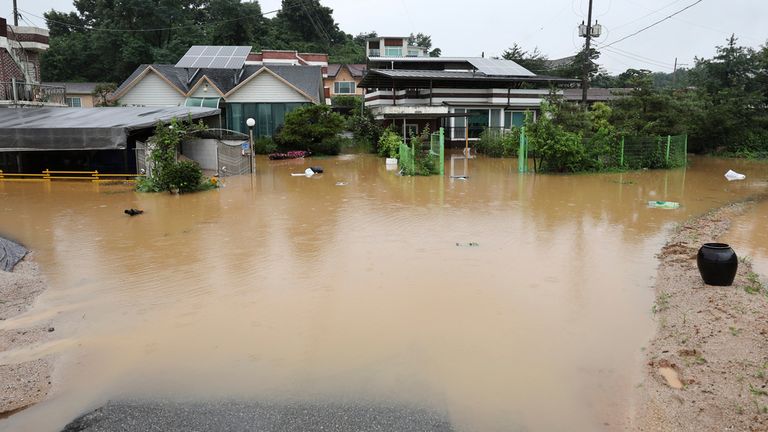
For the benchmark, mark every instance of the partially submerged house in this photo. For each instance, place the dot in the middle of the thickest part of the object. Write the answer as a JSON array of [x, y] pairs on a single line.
[[77, 94], [241, 84], [464, 95]]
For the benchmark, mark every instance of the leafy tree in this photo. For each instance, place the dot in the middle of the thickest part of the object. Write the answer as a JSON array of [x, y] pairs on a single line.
[[101, 94], [535, 61], [311, 128], [425, 41]]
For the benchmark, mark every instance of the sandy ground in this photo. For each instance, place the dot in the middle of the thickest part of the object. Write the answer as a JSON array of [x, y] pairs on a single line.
[[29, 382], [707, 366]]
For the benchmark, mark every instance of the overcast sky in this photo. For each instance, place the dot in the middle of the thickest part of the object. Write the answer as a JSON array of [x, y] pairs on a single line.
[[490, 26]]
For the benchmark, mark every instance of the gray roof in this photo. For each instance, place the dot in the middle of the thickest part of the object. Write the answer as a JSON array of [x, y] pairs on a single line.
[[356, 70], [74, 87], [306, 78], [104, 128]]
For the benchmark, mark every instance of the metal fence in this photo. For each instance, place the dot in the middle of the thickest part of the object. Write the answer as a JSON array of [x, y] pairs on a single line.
[[435, 155], [231, 159], [632, 152], [32, 93]]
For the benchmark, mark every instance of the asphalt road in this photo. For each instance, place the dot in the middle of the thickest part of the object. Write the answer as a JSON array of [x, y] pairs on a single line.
[[228, 416]]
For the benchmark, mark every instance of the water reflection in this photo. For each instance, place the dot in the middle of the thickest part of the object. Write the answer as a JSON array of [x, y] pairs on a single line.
[[350, 285]]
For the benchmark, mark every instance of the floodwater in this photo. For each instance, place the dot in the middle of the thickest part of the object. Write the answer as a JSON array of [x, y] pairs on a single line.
[[749, 237], [351, 286]]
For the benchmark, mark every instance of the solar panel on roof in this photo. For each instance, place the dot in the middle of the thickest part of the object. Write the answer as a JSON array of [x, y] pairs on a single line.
[[214, 57], [499, 67]]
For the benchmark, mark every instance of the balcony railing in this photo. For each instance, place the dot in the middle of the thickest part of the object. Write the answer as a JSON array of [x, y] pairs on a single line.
[[374, 52], [25, 93]]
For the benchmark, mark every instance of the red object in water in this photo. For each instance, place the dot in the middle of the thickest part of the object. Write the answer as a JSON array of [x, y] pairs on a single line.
[[296, 154]]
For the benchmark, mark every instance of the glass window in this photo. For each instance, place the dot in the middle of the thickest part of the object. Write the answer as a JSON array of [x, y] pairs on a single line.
[[344, 87], [458, 124], [413, 52], [478, 121], [514, 118], [496, 118], [73, 102], [393, 51], [264, 120]]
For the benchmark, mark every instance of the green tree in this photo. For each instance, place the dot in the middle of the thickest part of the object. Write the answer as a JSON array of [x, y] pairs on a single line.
[[535, 61], [313, 128]]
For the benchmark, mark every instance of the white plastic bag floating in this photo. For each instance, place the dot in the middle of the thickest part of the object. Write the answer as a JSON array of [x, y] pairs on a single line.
[[732, 175]]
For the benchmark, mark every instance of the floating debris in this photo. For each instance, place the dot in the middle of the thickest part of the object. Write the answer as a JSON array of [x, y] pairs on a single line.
[[133, 212], [732, 175], [668, 205], [470, 244]]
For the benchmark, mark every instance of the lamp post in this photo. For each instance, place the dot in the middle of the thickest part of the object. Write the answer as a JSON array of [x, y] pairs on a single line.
[[251, 123]]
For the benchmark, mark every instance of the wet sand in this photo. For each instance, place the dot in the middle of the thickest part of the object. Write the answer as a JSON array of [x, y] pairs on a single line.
[[707, 364], [26, 383]]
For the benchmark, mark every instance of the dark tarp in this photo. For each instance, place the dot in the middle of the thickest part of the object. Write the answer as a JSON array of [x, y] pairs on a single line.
[[104, 128], [10, 254]]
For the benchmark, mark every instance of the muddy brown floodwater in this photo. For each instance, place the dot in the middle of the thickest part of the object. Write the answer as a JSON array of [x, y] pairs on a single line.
[[350, 286]]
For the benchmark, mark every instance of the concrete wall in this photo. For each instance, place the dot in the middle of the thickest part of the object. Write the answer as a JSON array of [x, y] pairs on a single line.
[[202, 151]]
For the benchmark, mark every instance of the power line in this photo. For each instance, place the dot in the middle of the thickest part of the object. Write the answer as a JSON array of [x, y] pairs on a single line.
[[638, 57], [153, 29], [649, 26]]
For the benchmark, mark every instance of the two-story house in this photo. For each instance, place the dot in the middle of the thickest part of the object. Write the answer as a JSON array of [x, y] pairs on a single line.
[[20, 50]]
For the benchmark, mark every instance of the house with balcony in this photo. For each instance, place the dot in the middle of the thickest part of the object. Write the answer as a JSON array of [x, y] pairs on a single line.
[[393, 46], [464, 95], [264, 86], [20, 50]]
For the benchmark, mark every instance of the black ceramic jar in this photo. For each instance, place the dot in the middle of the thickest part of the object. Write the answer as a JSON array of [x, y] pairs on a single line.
[[717, 264]]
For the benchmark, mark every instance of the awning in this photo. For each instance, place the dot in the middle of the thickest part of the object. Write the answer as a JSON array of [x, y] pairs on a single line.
[[104, 128], [202, 102]]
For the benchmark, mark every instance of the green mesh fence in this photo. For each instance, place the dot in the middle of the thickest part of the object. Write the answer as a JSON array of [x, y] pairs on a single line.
[[653, 152], [407, 161], [426, 161], [437, 151]]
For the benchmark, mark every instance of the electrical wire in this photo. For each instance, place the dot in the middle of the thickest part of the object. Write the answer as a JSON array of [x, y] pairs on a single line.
[[649, 26], [153, 29], [639, 57]]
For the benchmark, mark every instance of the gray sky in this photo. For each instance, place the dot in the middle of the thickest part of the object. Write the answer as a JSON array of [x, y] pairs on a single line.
[[490, 26]]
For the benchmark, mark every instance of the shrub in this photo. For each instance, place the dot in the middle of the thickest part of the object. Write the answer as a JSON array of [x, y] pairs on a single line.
[[423, 163], [346, 101], [389, 144], [366, 129], [186, 176], [497, 143], [306, 128], [264, 145], [331, 146]]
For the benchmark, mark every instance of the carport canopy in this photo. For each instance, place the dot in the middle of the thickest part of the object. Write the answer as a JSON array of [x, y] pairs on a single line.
[[103, 128]]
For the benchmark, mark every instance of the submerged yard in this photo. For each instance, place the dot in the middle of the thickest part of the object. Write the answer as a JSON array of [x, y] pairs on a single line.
[[500, 302]]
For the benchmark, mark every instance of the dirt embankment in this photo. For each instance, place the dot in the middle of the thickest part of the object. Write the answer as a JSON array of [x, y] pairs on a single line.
[[22, 384], [707, 367]]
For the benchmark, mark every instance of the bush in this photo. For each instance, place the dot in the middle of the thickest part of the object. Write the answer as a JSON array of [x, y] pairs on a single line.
[[389, 144], [264, 145], [186, 176], [309, 128], [497, 143], [423, 163], [365, 129], [331, 146], [346, 101]]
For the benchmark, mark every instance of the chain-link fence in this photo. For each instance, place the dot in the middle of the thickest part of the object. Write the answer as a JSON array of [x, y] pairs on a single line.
[[418, 161]]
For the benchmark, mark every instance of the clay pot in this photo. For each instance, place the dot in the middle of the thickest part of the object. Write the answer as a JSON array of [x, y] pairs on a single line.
[[717, 264]]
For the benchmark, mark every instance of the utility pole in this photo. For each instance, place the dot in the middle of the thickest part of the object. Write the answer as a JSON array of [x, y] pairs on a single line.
[[587, 31], [15, 14], [674, 75]]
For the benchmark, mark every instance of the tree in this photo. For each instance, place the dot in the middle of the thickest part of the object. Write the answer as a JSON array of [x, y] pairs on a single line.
[[535, 61], [101, 94], [424, 41], [312, 127]]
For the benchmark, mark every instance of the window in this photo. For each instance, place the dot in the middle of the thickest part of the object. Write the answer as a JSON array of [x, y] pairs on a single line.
[[73, 102], [413, 52], [458, 124], [411, 129], [268, 116], [478, 121], [344, 87], [393, 51], [515, 118]]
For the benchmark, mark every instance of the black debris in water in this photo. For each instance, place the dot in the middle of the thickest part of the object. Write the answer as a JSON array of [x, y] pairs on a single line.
[[10, 254], [470, 244], [133, 212]]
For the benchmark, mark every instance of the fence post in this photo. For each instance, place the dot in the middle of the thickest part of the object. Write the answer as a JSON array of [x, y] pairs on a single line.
[[442, 151], [521, 152], [669, 139], [621, 156], [685, 147]]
